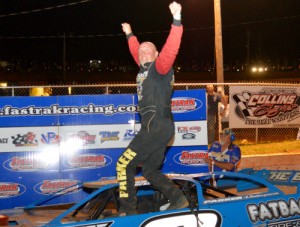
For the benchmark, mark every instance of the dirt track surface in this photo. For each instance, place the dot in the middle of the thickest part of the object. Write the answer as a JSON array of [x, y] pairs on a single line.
[[287, 160]]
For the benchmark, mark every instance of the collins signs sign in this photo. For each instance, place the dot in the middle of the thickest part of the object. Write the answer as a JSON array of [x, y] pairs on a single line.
[[264, 107]]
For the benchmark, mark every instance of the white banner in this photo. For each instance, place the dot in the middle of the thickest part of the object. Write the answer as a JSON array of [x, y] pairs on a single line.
[[264, 107], [70, 138]]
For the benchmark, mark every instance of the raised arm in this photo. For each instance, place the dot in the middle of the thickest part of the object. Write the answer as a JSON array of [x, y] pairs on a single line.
[[175, 9], [133, 43], [170, 49]]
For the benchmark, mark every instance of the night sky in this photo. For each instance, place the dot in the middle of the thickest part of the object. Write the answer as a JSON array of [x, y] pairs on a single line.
[[33, 29]]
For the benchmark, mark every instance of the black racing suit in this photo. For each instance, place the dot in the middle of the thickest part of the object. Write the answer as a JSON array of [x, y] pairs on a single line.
[[147, 149]]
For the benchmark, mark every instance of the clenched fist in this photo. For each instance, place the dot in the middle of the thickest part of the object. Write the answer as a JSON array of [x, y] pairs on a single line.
[[175, 8]]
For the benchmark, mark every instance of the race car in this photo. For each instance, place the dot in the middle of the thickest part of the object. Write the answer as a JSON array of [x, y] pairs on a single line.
[[215, 199]]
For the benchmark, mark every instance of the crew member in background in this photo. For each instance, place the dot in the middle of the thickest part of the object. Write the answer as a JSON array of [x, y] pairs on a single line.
[[154, 90], [223, 155], [213, 99], [224, 112]]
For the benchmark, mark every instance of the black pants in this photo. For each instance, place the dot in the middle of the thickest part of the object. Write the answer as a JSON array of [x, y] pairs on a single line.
[[147, 149]]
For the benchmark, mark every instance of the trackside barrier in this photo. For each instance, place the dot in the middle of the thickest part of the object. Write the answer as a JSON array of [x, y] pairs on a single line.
[[54, 142], [255, 133]]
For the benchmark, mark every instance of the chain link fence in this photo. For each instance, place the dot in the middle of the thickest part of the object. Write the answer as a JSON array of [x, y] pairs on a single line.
[[251, 135]]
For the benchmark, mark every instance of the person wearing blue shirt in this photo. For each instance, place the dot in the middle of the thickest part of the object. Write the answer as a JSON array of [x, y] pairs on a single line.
[[223, 155]]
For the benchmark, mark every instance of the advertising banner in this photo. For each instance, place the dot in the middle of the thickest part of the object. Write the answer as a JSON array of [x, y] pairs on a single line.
[[264, 107], [49, 143]]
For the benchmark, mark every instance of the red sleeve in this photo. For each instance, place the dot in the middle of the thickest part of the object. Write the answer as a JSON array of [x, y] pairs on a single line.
[[170, 50], [134, 44]]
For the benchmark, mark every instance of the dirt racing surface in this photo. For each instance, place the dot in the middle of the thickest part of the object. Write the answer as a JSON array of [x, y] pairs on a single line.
[[289, 160]]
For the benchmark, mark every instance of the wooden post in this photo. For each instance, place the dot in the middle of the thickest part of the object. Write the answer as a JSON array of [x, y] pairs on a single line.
[[219, 52], [218, 41]]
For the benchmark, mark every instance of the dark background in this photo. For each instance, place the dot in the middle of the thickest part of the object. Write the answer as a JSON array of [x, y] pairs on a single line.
[[35, 31]]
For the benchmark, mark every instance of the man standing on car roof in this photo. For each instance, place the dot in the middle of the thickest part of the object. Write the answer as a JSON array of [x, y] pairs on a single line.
[[154, 90]]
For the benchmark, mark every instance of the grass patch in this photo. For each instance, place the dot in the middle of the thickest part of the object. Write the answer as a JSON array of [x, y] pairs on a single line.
[[270, 148]]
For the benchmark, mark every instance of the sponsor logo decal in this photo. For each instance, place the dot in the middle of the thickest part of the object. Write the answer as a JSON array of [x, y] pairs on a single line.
[[189, 136], [56, 186], [182, 129], [50, 138], [109, 136], [88, 161], [269, 106], [185, 104], [139, 82], [195, 129], [291, 223], [130, 134], [273, 209], [222, 200], [27, 139], [188, 132], [3, 140], [284, 176], [11, 189], [25, 163], [191, 158], [84, 137], [141, 183]]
